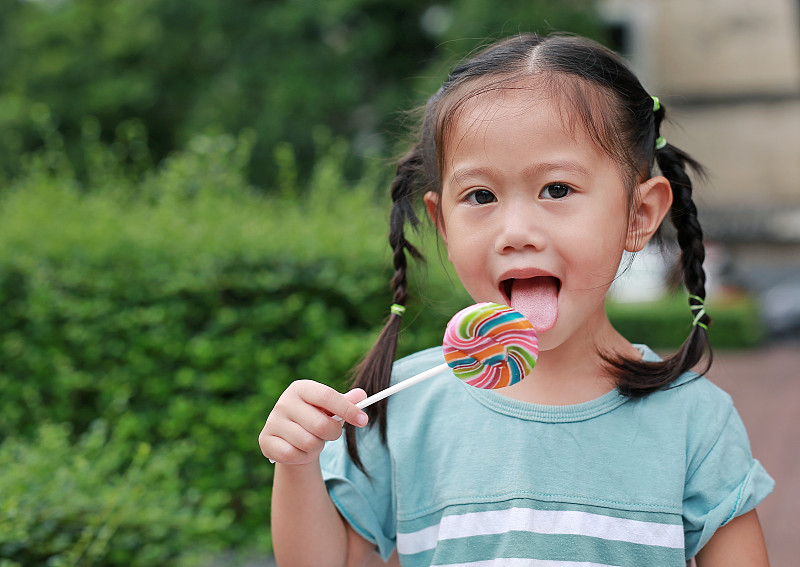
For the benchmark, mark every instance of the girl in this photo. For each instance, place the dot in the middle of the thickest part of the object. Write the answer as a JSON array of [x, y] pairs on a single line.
[[536, 164]]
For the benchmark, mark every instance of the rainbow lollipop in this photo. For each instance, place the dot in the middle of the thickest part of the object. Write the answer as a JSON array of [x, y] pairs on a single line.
[[490, 346], [487, 345]]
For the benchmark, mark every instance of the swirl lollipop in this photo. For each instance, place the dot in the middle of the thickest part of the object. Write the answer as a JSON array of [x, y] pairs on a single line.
[[490, 346], [487, 345]]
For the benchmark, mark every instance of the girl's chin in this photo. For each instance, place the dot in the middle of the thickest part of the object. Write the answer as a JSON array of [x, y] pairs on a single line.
[[548, 340]]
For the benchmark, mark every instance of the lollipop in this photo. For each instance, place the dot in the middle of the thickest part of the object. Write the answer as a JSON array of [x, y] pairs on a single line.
[[490, 346], [487, 345]]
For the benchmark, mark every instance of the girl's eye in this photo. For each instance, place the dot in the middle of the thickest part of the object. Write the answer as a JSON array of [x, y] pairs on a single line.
[[555, 191], [481, 197]]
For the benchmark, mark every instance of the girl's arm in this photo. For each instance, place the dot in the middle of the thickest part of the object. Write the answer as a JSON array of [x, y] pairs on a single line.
[[306, 527], [738, 543]]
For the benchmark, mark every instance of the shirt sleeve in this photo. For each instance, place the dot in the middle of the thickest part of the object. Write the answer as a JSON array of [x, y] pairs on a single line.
[[366, 502], [725, 483]]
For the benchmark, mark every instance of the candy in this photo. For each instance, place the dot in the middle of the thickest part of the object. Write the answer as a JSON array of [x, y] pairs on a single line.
[[489, 345]]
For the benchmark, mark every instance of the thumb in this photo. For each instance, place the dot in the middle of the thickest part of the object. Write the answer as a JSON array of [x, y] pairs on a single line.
[[355, 395], [354, 415]]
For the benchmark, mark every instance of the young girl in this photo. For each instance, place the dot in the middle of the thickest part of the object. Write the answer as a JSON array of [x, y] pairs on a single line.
[[536, 162]]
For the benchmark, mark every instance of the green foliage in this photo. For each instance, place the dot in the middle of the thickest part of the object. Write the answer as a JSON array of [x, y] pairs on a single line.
[[97, 502], [280, 67], [179, 312], [666, 323]]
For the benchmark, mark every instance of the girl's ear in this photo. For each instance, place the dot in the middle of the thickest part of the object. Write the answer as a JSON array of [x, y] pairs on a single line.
[[431, 199], [651, 202]]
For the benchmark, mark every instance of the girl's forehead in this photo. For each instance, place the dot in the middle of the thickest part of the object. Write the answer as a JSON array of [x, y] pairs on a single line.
[[505, 106], [584, 112], [502, 103]]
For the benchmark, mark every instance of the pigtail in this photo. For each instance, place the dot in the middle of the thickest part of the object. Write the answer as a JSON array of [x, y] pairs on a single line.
[[375, 371], [683, 214], [637, 378]]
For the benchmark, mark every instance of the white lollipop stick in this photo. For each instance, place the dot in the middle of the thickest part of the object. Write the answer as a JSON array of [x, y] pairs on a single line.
[[396, 388], [422, 376]]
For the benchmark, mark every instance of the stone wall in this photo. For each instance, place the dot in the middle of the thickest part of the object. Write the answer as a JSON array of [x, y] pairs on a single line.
[[728, 72]]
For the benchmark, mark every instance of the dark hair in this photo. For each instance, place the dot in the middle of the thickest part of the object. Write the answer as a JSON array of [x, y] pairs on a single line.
[[603, 96]]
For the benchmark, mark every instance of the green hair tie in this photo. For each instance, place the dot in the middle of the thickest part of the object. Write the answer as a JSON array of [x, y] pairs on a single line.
[[661, 141], [397, 309], [656, 103], [699, 311]]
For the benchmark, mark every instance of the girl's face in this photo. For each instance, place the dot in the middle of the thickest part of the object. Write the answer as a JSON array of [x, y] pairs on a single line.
[[532, 213]]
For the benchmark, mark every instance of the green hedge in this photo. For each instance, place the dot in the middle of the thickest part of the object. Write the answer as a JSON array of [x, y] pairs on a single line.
[[95, 502], [665, 324], [183, 312]]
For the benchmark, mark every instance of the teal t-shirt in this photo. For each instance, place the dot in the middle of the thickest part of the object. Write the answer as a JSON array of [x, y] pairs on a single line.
[[470, 477]]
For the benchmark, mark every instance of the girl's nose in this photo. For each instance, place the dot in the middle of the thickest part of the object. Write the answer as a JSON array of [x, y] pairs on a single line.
[[521, 228]]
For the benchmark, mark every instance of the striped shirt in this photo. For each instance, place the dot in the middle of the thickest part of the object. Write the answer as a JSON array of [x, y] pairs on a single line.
[[473, 478]]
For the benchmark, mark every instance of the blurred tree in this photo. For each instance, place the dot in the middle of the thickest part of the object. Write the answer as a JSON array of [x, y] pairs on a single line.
[[280, 67]]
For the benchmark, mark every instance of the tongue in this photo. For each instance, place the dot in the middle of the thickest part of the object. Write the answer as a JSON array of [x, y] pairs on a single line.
[[537, 299]]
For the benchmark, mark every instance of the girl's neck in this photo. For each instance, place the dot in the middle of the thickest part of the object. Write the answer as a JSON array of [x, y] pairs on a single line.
[[574, 372]]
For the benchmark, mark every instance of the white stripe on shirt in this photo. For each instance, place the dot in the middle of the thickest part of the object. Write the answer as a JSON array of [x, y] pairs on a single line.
[[541, 522], [517, 562]]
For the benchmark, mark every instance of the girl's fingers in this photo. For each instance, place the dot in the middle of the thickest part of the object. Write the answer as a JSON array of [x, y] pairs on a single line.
[[278, 450], [292, 446], [333, 402], [316, 421], [356, 416], [355, 395], [305, 418]]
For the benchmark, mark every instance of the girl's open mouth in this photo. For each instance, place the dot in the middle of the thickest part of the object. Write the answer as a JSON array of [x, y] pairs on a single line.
[[536, 298]]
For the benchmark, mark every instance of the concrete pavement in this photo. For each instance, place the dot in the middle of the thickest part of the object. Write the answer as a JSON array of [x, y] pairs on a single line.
[[765, 386]]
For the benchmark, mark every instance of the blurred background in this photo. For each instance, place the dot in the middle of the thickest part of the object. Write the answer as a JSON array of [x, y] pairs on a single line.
[[193, 213]]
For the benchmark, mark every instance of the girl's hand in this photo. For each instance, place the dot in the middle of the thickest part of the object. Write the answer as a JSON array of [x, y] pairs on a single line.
[[302, 421]]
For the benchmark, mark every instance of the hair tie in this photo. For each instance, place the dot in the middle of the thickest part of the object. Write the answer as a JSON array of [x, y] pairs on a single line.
[[699, 311], [397, 309], [661, 141], [656, 103]]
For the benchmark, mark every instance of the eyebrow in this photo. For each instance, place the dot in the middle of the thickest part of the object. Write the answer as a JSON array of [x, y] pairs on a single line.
[[472, 172], [530, 171], [565, 165]]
